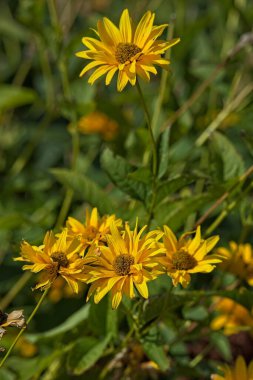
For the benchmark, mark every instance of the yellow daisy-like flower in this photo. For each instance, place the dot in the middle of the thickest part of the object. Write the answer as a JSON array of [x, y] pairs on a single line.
[[56, 257], [232, 317], [239, 372], [187, 256], [93, 231], [128, 261], [98, 122], [239, 260], [127, 50]]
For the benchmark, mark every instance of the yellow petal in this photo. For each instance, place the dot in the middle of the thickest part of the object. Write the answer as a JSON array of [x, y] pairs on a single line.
[[195, 241], [142, 289], [112, 31], [110, 75], [98, 73], [143, 29], [90, 65], [241, 369], [122, 81], [125, 26]]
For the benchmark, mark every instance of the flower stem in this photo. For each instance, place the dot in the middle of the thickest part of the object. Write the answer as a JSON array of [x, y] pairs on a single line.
[[24, 328], [148, 119]]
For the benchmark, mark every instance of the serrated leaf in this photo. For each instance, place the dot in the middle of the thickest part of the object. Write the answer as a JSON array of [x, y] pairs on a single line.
[[75, 319], [85, 189], [13, 96], [118, 170], [232, 162], [86, 353]]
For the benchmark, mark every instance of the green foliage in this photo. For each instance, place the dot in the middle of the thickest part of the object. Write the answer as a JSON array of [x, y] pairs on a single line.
[[85, 189]]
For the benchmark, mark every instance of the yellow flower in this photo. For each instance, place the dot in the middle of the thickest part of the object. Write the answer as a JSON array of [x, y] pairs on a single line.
[[129, 260], [94, 230], [239, 260], [232, 317], [239, 372], [187, 256], [127, 50], [56, 257], [98, 122]]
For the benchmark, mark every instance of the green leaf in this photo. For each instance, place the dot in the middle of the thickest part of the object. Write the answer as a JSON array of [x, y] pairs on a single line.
[[232, 162], [163, 153], [32, 367], [86, 353], [171, 186], [5, 374], [196, 313], [157, 354], [221, 342], [13, 96], [85, 189], [119, 171], [74, 320], [141, 175]]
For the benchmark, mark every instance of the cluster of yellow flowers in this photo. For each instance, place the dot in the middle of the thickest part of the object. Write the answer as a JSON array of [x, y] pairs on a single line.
[[111, 257]]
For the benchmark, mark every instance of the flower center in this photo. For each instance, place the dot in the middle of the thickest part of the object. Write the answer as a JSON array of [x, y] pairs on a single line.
[[183, 261], [122, 264], [125, 51], [60, 258]]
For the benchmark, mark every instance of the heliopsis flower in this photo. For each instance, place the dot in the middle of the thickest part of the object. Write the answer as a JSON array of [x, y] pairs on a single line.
[[239, 260], [129, 260], [14, 319], [239, 372], [187, 256], [232, 317], [128, 50], [93, 231], [56, 257], [98, 122]]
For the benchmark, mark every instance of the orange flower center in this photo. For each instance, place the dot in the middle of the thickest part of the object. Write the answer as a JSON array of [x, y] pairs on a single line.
[[183, 261], [125, 51], [60, 258], [122, 264]]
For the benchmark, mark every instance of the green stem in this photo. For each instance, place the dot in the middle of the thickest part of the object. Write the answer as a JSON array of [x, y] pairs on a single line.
[[148, 119], [154, 153], [66, 204], [24, 328]]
